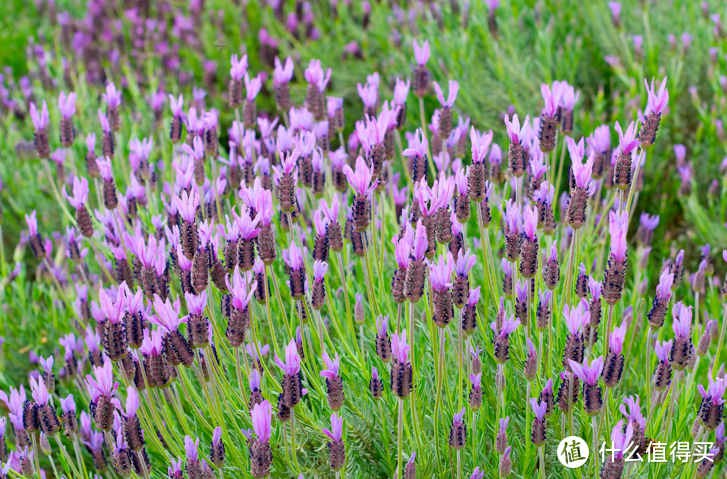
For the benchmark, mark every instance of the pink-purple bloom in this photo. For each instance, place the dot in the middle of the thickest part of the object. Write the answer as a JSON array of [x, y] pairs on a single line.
[[657, 100], [421, 53]]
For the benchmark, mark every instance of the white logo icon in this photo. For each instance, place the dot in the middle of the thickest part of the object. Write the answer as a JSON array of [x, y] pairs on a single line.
[[573, 452]]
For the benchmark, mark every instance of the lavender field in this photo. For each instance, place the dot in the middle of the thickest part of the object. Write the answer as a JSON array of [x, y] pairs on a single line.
[[317, 239]]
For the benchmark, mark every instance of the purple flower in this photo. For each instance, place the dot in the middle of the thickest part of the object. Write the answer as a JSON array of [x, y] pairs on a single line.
[[67, 104], [621, 440], [112, 97], [618, 227], [252, 87], [293, 257], [241, 295], [530, 221], [575, 318], [238, 68], [360, 179], [657, 100], [32, 223], [714, 393], [336, 431], [332, 366], [440, 274], [132, 402], [262, 420], [662, 350], [369, 94], [616, 339], [40, 121], [465, 261], [682, 320], [600, 139], [508, 326], [103, 384], [401, 91], [588, 374], [177, 106], [418, 145], [421, 54], [319, 271], [634, 411], [477, 474], [283, 74], [615, 8], [315, 75], [480, 145], [459, 417], [80, 192], [649, 222], [627, 141], [552, 100], [399, 347], [68, 405], [191, 448], [195, 303], [39, 391], [538, 409], [451, 97], [382, 323], [113, 310], [187, 205], [569, 96], [291, 366], [152, 344]]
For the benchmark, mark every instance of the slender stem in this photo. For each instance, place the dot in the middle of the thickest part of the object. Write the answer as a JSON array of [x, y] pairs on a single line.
[[65, 453], [424, 134], [541, 453], [673, 393], [608, 330], [36, 452], [401, 433], [595, 438], [459, 465], [292, 434], [79, 456], [461, 360], [267, 308], [720, 343]]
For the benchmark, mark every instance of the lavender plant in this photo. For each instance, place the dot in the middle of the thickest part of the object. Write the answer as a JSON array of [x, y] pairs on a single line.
[[344, 218]]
